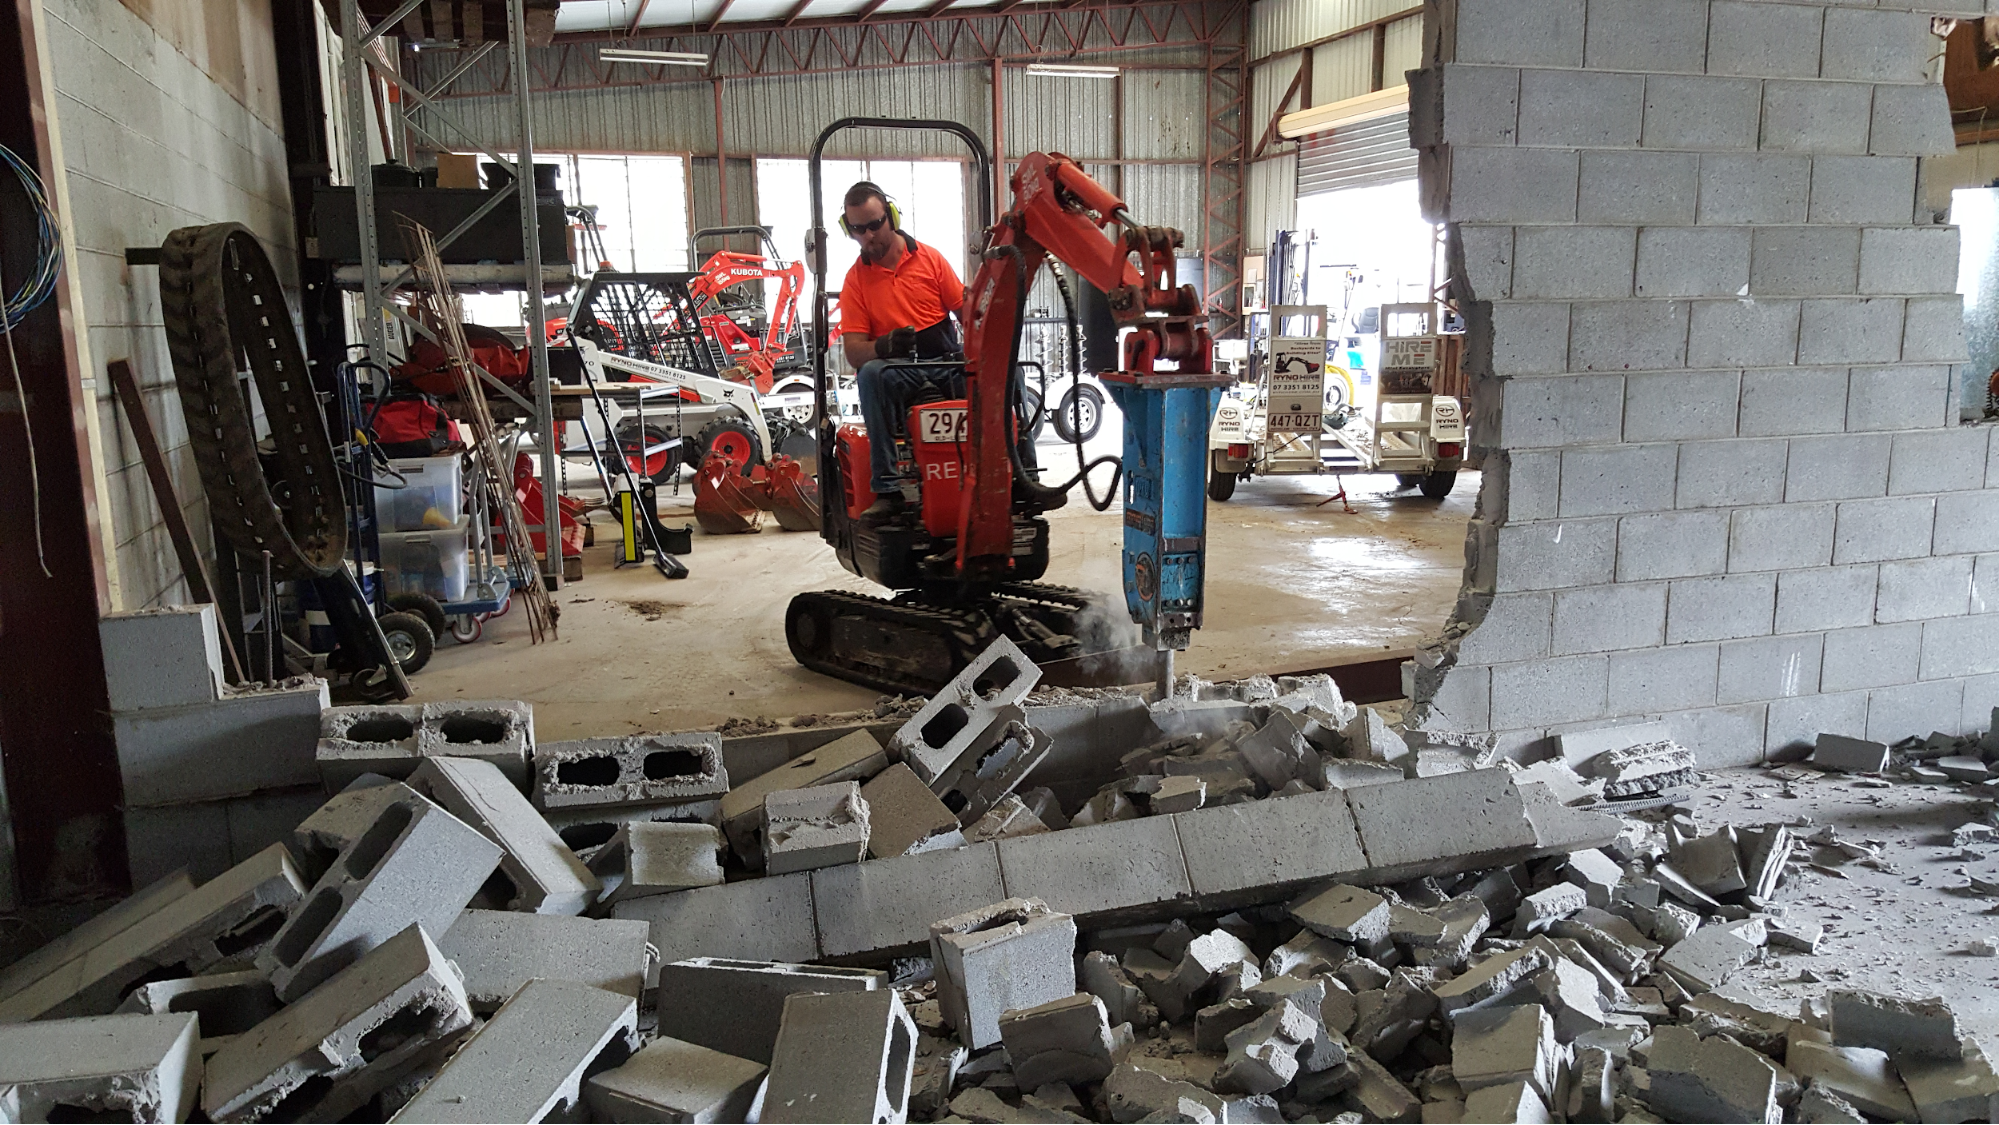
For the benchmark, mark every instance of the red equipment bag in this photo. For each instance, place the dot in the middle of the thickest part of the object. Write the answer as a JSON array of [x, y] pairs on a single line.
[[413, 426], [429, 368]]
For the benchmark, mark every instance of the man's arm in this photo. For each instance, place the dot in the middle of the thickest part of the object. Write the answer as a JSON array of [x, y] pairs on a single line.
[[859, 349]]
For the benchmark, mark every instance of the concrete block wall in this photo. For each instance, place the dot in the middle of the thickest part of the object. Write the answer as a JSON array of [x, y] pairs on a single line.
[[1711, 338]]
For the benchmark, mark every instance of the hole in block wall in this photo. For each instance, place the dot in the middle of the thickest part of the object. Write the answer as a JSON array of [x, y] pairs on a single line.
[[381, 728], [474, 729], [662, 764], [599, 770]]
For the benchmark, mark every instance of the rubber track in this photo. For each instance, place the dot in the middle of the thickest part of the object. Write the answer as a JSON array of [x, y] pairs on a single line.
[[967, 631], [221, 300]]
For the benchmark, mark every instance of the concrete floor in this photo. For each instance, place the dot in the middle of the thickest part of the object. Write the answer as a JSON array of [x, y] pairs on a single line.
[[1292, 585]]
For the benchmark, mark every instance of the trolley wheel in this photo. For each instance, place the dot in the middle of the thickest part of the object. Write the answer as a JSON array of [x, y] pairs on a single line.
[[410, 640], [1080, 415], [1221, 482], [468, 627], [424, 606], [1438, 484]]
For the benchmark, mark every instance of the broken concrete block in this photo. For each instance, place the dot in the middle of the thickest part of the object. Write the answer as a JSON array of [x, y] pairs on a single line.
[[672, 1080], [1135, 1091], [841, 1056], [1568, 786], [964, 710], [1066, 1040], [993, 770], [1840, 753], [496, 731], [1712, 1013], [228, 1003], [937, 1063], [817, 827], [1960, 1090], [1715, 1079], [1511, 1101], [1379, 1092], [221, 924], [638, 769], [1711, 862], [1012, 954], [529, 1061], [884, 907], [1124, 1001], [735, 1007], [1579, 748], [1342, 773], [1959, 767], [767, 919], [1491, 979], [1571, 995], [1797, 933], [1624, 770], [1465, 920], [396, 1008], [1431, 825], [1610, 939], [1545, 907], [539, 872], [1344, 913], [1764, 851], [1369, 736], [1904, 1028], [1821, 1106], [1705, 961], [904, 816], [1263, 1055], [1387, 1023], [1597, 874], [1861, 1076], [320, 838], [1305, 954], [1418, 929], [852, 757], [655, 858], [416, 863], [497, 952], [1208, 960], [110, 1068], [1010, 816], [1213, 1023], [1278, 751], [1592, 1086], [1178, 795], [101, 928], [1511, 1043]]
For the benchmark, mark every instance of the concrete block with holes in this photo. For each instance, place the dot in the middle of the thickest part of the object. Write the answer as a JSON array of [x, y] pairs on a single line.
[[220, 925], [844, 1056], [539, 871], [652, 858], [970, 744], [320, 838], [228, 1004], [853, 757], [415, 864], [134, 1067], [529, 1062], [735, 1007], [398, 1008], [500, 731], [671, 1080], [639, 769], [1016, 953], [498, 951], [129, 912], [374, 738]]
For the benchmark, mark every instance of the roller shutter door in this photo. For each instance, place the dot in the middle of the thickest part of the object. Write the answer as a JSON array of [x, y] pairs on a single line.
[[1368, 152]]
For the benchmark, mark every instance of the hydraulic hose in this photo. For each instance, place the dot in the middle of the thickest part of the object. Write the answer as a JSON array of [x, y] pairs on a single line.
[[1033, 487]]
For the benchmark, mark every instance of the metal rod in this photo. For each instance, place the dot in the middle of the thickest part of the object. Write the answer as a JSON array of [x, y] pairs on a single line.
[[353, 83], [472, 58], [269, 596], [551, 521], [1164, 683], [376, 32]]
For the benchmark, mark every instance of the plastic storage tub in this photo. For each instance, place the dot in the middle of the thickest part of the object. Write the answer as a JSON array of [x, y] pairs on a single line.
[[428, 562], [430, 500]]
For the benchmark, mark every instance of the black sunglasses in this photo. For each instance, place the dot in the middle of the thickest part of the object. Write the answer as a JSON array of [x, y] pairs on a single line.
[[859, 229]]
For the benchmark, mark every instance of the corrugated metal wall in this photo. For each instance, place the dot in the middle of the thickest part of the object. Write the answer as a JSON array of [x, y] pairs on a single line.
[[1344, 69], [782, 116], [1166, 195], [1405, 50], [1278, 24], [1076, 116], [1267, 83], [1270, 195], [1165, 114]]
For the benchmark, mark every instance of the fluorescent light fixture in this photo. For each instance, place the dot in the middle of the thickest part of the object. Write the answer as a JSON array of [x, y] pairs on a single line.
[[651, 58], [1057, 70]]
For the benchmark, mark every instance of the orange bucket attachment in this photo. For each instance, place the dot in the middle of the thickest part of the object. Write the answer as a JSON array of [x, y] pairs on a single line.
[[787, 493], [725, 501]]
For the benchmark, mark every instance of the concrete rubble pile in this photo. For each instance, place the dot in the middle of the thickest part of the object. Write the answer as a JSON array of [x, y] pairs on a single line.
[[1251, 902]]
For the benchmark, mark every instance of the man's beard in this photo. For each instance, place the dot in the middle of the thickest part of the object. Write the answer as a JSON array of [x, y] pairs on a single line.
[[873, 254]]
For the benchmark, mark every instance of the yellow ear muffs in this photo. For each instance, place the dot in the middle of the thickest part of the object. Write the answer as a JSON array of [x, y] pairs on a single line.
[[894, 212]]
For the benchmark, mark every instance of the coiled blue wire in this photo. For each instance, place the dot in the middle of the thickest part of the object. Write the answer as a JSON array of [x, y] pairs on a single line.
[[41, 281]]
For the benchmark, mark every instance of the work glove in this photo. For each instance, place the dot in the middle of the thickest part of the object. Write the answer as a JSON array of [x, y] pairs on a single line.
[[901, 342]]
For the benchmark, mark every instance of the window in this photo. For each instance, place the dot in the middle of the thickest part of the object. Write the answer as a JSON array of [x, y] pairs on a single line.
[[929, 193]]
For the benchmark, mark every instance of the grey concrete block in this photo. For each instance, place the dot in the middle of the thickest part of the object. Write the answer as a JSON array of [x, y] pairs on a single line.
[[1581, 109], [1603, 618], [1487, 253], [1067, 1040], [1261, 847], [1860, 1077], [887, 905], [1636, 35], [1883, 46], [1875, 656], [1789, 537], [651, 858], [227, 1004], [1830, 598], [1849, 755], [1962, 646], [1805, 261], [1501, 1045], [497, 731], [1563, 411], [1732, 473], [1905, 1028], [1573, 262], [169, 657], [1101, 871], [416, 864], [587, 828], [1406, 830], [1951, 1090], [1692, 262], [1966, 522], [122, 1067], [100, 928], [1618, 479], [1873, 530], [1754, 188], [1911, 121], [1513, 185], [1863, 189], [1481, 105], [1015, 953], [1769, 668], [218, 925], [1628, 335], [1933, 330], [1816, 117], [1762, 40], [1719, 609], [1842, 467], [904, 816], [545, 876], [936, 738], [1903, 711], [1708, 114], [845, 1056], [1923, 588], [1749, 333], [1344, 913], [342, 819], [638, 769], [1795, 724], [1537, 693], [1490, 979], [1493, 31], [1909, 260], [1671, 545], [1710, 1079], [1550, 555], [1640, 188], [1528, 338], [529, 1062], [498, 951], [1867, 330], [672, 1080], [768, 919], [1645, 682], [1515, 627], [736, 1007], [1898, 398], [378, 739], [321, 1058], [1780, 403], [852, 758], [247, 741], [819, 826]]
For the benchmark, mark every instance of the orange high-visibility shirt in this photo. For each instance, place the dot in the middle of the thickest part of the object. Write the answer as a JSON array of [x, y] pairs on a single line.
[[918, 292]]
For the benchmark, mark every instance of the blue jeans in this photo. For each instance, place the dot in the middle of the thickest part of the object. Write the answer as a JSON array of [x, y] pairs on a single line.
[[885, 393]]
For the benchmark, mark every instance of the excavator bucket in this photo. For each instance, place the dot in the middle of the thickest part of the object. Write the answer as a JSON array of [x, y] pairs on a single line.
[[788, 494], [725, 501]]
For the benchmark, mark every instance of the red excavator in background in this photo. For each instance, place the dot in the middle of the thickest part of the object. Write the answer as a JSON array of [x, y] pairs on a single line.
[[730, 297]]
